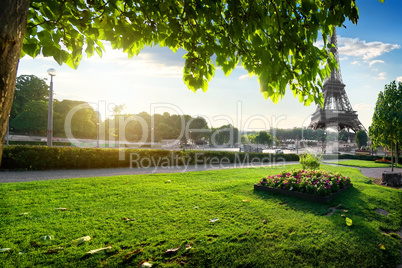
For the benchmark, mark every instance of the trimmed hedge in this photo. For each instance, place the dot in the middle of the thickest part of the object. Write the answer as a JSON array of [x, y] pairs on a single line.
[[42, 157], [55, 143], [358, 157]]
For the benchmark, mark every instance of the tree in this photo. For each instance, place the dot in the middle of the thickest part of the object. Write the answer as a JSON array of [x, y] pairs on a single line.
[[263, 137], [28, 88], [83, 121], [361, 138], [345, 135], [386, 126], [273, 40], [33, 119], [224, 135]]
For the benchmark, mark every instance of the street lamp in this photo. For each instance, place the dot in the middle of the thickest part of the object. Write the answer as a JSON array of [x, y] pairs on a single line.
[[97, 134], [51, 72]]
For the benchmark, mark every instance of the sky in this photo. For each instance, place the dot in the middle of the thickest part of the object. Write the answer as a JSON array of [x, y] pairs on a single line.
[[370, 57]]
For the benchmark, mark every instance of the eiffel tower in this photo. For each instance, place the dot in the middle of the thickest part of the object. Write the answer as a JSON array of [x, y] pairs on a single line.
[[337, 112]]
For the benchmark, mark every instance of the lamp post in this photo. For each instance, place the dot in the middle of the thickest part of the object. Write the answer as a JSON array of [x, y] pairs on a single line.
[[97, 134], [51, 72]]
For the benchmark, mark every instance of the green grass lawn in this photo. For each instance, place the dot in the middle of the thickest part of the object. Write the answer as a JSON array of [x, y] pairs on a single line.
[[364, 164], [296, 233]]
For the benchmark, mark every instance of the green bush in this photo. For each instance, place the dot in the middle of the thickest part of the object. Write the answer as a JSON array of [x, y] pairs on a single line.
[[55, 143], [310, 161], [357, 157], [42, 158]]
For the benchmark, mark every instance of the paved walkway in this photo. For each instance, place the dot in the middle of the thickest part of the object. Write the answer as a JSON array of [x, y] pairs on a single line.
[[377, 172], [40, 175], [368, 172]]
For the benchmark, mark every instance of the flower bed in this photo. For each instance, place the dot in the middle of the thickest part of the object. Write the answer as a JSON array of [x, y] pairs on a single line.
[[313, 185], [384, 161]]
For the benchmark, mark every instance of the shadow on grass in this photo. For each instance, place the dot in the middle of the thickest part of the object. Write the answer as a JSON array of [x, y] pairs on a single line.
[[353, 204]]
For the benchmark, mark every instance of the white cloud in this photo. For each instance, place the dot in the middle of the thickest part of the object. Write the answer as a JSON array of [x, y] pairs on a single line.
[[363, 107], [365, 50], [244, 77], [381, 76], [375, 61], [355, 62], [399, 79]]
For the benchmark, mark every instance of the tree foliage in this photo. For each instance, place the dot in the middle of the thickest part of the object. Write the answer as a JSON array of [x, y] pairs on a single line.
[[33, 118], [225, 135], [263, 137], [271, 39], [30, 108], [386, 126], [361, 138], [28, 88]]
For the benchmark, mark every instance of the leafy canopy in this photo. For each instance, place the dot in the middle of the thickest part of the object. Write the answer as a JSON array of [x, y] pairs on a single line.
[[386, 126], [28, 88], [361, 138], [272, 39]]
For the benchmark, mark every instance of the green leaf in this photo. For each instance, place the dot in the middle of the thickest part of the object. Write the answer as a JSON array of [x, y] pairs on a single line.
[[309, 100], [32, 49], [98, 51], [61, 56], [275, 97], [49, 50], [204, 85]]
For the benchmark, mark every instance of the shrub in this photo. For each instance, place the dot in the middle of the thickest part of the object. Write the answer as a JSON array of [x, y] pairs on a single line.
[[310, 161], [42, 157]]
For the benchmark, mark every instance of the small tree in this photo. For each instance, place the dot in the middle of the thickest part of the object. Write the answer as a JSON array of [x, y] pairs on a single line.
[[263, 137], [361, 138], [386, 127]]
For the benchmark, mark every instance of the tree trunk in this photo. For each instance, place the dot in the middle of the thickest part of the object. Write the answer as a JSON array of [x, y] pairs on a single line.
[[13, 21]]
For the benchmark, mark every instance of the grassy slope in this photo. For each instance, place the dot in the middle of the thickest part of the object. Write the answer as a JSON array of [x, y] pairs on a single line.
[[364, 164], [297, 234]]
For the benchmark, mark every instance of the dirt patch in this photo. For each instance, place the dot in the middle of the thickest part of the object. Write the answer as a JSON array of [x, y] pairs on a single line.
[[379, 182], [332, 210], [382, 212]]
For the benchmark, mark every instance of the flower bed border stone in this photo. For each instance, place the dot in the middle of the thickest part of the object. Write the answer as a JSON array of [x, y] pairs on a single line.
[[308, 197]]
